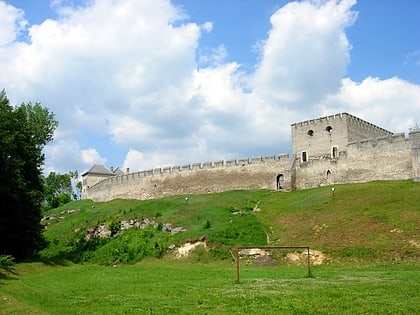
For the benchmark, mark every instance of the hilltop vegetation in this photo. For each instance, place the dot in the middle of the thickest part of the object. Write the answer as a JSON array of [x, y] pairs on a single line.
[[371, 221]]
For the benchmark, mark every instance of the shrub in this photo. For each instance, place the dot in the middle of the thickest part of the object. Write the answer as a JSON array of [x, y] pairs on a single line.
[[114, 225], [6, 261], [206, 225]]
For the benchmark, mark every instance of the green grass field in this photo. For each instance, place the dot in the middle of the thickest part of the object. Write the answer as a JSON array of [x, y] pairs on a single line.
[[370, 234], [182, 287]]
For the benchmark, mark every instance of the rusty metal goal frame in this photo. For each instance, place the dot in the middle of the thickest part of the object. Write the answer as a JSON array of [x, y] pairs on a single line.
[[238, 248]]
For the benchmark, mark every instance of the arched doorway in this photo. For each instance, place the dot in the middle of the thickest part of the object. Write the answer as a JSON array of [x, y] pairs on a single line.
[[329, 177], [280, 182]]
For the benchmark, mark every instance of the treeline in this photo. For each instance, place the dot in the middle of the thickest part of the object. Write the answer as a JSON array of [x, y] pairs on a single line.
[[24, 191]]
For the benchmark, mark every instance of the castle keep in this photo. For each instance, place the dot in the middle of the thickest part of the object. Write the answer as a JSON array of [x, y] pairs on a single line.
[[339, 148]]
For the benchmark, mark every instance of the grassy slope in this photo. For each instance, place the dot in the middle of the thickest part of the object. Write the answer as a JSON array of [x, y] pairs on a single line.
[[377, 220]]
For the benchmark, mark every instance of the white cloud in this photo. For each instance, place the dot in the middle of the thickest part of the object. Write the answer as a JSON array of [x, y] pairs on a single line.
[[392, 103], [59, 155], [207, 26], [305, 54], [91, 156], [12, 22], [137, 161], [126, 71], [213, 56]]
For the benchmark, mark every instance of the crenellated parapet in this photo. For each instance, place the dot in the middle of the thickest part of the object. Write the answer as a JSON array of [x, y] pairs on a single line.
[[333, 149], [199, 167]]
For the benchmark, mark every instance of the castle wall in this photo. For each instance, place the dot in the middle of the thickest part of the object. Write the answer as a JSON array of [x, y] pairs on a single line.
[[90, 181], [359, 129], [414, 137], [338, 149], [386, 158], [256, 173]]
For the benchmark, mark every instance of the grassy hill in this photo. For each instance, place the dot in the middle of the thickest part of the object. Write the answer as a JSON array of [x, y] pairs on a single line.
[[371, 221]]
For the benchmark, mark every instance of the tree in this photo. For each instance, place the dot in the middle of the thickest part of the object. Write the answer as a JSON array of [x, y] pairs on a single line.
[[24, 131], [59, 189]]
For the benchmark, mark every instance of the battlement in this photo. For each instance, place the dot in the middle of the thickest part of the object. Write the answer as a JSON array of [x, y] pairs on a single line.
[[363, 124], [194, 167], [339, 148], [342, 117], [320, 120]]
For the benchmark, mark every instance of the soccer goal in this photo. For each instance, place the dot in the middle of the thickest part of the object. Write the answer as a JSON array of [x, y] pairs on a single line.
[[241, 248]]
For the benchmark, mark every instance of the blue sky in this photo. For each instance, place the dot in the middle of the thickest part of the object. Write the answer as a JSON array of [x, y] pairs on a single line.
[[153, 83]]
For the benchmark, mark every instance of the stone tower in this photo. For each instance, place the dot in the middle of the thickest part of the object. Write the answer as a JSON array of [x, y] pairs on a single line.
[[330, 135]]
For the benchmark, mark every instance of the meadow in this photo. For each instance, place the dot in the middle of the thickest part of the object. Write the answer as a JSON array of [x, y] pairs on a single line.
[[182, 287], [369, 234]]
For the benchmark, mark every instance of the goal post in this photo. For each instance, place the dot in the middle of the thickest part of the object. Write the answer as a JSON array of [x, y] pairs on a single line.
[[239, 248]]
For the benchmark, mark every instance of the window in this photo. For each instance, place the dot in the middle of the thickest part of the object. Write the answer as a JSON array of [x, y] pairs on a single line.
[[304, 156], [329, 129], [310, 133], [334, 152]]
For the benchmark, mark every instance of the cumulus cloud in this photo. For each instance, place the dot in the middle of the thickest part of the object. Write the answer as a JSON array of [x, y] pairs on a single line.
[[12, 22], [133, 72], [392, 103], [306, 52], [66, 155]]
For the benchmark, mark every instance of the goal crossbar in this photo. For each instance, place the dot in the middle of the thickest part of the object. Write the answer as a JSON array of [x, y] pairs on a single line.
[[238, 248]]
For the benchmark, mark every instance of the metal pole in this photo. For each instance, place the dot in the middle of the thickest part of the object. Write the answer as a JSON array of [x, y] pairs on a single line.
[[309, 263], [237, 264]]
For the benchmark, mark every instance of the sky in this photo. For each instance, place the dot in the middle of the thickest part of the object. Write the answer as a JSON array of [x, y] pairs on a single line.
[[143, 84]]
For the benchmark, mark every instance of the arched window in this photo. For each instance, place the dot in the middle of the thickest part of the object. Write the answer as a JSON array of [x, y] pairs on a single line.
[[329, 129]]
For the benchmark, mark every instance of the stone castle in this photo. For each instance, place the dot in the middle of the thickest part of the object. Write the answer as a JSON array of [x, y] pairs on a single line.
[[335, 149]]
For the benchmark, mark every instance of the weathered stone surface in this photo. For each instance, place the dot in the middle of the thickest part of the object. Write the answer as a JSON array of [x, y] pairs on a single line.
[[335, 149]]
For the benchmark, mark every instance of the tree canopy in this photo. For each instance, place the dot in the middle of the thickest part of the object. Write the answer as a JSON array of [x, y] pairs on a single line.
[[24, 131], [59, 189]]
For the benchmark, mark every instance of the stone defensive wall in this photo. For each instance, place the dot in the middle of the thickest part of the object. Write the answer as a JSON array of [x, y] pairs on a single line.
[[384, 158], [255, 173]]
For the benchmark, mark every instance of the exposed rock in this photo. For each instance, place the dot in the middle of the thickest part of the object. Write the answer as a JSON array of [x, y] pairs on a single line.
[[252, 252], [396, 230], [414, 243], [167, 227], [316, 257], [294, 258], [99, 231], [177, 230], [185, 249]]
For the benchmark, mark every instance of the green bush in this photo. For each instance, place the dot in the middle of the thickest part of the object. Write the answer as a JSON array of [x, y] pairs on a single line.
[[129, 247], [6, 261], [114, 225], [206, 225]]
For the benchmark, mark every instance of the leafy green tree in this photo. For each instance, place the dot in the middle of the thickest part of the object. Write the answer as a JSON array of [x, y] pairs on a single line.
[[24, 131], [61, 188], [58, 190]]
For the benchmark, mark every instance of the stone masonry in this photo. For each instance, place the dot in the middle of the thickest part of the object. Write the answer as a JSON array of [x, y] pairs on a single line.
[[339, 148]]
